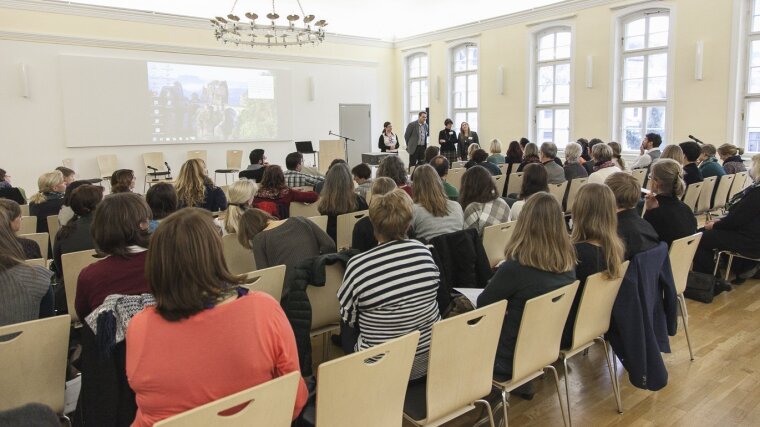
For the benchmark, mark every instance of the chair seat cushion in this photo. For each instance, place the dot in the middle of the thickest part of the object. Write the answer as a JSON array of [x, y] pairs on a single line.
[[415, 402]]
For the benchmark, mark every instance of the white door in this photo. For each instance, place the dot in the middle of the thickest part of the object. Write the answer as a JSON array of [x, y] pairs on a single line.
[[356, 123]]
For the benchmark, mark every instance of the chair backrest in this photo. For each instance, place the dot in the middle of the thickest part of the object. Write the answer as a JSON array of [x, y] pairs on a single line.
[[268, 404], [721, 193], [458, 165], [195, 154], [595, 308], [304, 209], [503, 168], [495, 240], [640, 175], [320, 220], [28, 225], [239, 259], [501, 180], [738, 184], [269, 280], [234, 159], [42, 241], [692, 194], [42, 262], [681, 255], [455, 177], [705, 196], [462, 353], [325, 309], [515, 183], [24, 210], [572, 192], [345, 228], [34, 363], [155, 160], [107, 164], [366, 388], [540, 333], [53, 226], [72, 264], [558, 191]]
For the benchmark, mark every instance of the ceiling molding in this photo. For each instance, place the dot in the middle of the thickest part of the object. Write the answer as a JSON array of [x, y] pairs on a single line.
[[152, 47], [551, 20]]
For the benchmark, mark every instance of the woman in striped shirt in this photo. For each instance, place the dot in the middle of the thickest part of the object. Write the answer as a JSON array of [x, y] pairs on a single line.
[[390, 290]]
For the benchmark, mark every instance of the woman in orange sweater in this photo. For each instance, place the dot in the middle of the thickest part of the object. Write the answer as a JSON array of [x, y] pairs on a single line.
[[207, 337]]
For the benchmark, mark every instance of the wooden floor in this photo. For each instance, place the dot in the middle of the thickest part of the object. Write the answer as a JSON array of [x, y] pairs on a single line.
[[721, 387]]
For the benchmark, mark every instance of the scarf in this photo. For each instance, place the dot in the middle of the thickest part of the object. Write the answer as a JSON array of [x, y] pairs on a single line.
[[110, 320], [53, 195], [271, 193], [604, 165]]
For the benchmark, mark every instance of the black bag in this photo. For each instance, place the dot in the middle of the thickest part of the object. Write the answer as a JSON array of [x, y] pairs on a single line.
[[700, 287]]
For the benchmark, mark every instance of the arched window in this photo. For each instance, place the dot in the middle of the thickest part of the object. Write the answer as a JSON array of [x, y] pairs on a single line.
[[751, 113], [464, 84], [417, 84], [551, 94]]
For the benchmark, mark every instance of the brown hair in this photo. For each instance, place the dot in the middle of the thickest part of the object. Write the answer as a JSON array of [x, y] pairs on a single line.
[[595, 221], [730, 150], [185, 269], [11, 252], [251, 223], [11, 208], [118, 224], [708, 150], [273, 179], [67, 172], [393, 168], [431, 152], [540, 239], [673, 152], [625, 188], [337, 196], [617, 153], [428, 191], [46, 183], [382, 185], [191, 183], [477, 186], [669, 176], [121, 180], [535, 179], [84, 200], [391, 215]]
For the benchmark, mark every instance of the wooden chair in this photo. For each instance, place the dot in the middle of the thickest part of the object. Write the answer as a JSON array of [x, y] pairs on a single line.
[[460, 368], [721, 193], [641, 176], [455, 177], [234, 163], [269, 404], [268, 280], [72, 264], [591, 323], [691, 195], [325, 309], [572, 192], [53, 227], [558, 191], [197, 154], [107, 164], [515, 183], [345, 228], [366, 388], [42, 241], [738, 185], [304, 209], [34, 363], [239, 259], [503, 168], [42, 262], [681, 256], [24, 210], [495, 240], [320, 220], [501, 180], [538, 341], [705, 196], [161, 174], [28, 225]]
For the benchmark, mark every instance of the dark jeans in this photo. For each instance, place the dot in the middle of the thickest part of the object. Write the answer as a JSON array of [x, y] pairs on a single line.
[[418, 157], [348, 337]]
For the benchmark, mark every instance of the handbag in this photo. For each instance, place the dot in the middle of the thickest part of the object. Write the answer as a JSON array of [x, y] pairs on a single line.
[[700, 287]]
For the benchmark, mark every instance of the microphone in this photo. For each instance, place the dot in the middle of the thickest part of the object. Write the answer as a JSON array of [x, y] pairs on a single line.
[[152, 168], [331, 133], [696, 139], [167, 166]]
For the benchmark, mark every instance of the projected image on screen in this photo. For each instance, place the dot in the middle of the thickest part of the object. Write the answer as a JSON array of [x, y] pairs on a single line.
[[202, 103]]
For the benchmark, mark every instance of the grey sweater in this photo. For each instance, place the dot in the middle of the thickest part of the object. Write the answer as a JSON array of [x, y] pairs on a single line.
[[426, 226], [21, 290]]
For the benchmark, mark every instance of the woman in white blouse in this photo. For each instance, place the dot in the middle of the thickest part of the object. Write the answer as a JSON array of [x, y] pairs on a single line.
[[388, 140]]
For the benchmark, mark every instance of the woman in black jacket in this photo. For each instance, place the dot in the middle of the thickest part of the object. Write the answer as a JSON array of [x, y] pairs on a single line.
[[466, 137], [447, 137], [669, 216], [388, 140]]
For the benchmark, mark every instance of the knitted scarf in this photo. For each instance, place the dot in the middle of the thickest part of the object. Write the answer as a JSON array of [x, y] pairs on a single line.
[[110, 320], [604, 165]]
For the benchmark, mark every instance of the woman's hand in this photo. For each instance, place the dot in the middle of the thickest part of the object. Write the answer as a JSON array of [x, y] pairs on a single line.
[[650, 201], [709, 224]]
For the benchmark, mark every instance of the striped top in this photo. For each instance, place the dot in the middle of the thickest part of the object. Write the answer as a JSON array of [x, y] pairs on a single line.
[[390, 291]]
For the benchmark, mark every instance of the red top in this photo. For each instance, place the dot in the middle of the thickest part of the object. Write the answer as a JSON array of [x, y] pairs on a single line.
[[176, 366], [408, 189], [268, 200], [111, 275]]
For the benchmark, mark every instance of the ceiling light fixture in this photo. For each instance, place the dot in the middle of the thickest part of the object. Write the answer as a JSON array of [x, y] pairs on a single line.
[[257, 33]]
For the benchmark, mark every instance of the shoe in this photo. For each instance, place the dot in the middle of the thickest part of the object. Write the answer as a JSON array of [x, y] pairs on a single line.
[[336, 339], [525, 391], [738, 280], [754, 271], [721, 286]]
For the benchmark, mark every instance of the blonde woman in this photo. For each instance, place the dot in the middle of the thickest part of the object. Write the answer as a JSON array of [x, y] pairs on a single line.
[[669, 216], [48, 200], [434, 213], [539, 259], [338, 197], [466, 138], [673, 152], [241, 194], [596, 240], [731, 156], [617, 154], [195, 188], [496, 157], [471, 149]]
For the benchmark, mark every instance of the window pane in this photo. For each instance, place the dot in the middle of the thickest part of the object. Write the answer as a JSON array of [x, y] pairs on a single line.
[[753, 127], [414, 96], [423, 94], [754, 56], [632, 125], [657, 88], [423, 66], [460, 88], [563, 45], [562, 118], [546, 75], [562, 82], [753, 115], [412, 116], [472, 58], [460, 60], [655, 119], [472, 91], [658, 40], [659, 24], [472, 120], [546, 42], [545, 121], [635, 28], [546, 94], [754, 80], [562, 94], [562, 76], [545, 54], [633, 90], [458, 119], [636, 42], [633, 67], [414, 66], [755, 23], [657, 65]]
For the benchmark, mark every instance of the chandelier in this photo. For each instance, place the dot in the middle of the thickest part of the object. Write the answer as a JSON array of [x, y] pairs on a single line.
[[258, 32]]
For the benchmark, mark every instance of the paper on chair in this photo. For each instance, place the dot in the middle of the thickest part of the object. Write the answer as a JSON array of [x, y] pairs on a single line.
[[472, 294]]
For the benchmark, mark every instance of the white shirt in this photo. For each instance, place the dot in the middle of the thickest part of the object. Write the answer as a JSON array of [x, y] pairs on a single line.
[[599, 176]]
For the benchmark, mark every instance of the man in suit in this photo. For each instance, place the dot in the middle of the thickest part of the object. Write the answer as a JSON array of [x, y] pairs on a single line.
[[416, 139], [548, 155]]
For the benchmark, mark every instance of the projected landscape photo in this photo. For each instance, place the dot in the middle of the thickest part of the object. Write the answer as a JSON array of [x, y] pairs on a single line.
[[202, 103]]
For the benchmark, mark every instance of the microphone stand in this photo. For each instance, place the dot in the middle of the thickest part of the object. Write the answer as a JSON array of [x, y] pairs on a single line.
[[345, 143]]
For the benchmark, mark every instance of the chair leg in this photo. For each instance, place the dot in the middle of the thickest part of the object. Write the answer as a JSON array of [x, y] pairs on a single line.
[[559, 393], [488, 408], [717, 263], [505, 405], [684, 315], [730, 262], [567, 391], [613, 375]]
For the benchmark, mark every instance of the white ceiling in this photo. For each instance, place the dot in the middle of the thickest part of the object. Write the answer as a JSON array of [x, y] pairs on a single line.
[[385, 19]]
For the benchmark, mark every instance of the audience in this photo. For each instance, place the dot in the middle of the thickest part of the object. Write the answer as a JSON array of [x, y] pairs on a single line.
[[196, 189], [442, 166], [12, 212], [535, 180], [76, 235], [585, 155], [66, 213], [731, 156], [48, 200], [466, 138], [68, 174], [669, 216], [589, 164], [597, 244], [573, 168], [255, 171], [122, 181], [338, 198], [673, 152], [434, 213], [539, 259], [8, 191], [391, 289], [514, 153], [708, 164], [274, 196], [482, 204], [601, 154], [162, 200], [649, 151], [362, 175], [637, 234], [554, 171], [617, 155], [691, 153], [530, 155], [392, 167], [293, 175], [242, 193], [363, 237], [430, 152], [200, 305], [480, 158], [496, 157], [120, 232], [5, 179], [472, 148]]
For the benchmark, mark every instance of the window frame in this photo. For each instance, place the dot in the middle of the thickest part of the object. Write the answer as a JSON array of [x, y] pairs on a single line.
[[408, 80], [453, 111], [746, 97]]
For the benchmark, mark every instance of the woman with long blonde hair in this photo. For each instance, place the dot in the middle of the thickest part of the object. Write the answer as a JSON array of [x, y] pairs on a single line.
[[597, 244], [338, 197], [241, 194], [466, 138], [538, 259], [196, 189], [434, 213], [48, 200]]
